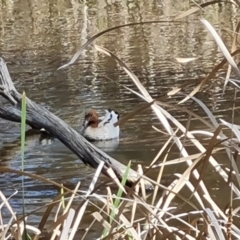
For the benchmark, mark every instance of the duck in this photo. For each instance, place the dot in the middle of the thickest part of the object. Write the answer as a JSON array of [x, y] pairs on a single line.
[[97, 128]]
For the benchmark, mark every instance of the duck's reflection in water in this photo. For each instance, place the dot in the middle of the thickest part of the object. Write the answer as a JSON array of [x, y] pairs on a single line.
[[11, 150], [108, 145], [34, 138]]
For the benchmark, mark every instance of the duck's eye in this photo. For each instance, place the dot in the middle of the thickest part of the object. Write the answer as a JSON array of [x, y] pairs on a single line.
[[88, 115]]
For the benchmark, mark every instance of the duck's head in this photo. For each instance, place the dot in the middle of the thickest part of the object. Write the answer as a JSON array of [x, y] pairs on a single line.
[[91, 119]]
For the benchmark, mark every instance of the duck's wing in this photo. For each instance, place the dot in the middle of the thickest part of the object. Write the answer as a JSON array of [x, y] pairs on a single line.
[[105, 119]]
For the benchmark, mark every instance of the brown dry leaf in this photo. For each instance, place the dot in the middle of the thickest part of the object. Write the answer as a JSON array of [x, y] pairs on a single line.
[[174, 91], [233, 48], [209, 76], [205, 160], [136, 111], [222, 46], [94, 37], [113, 176], [100, 219], [195, 9], [187, 13], [185, 60]]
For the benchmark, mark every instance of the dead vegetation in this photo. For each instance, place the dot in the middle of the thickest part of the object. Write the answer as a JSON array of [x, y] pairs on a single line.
[[131, 213]]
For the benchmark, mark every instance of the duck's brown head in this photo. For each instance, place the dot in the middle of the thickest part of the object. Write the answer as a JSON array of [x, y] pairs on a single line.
[[91, 119]]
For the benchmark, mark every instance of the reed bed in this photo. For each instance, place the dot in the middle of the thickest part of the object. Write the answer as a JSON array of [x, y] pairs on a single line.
[[133, 212]]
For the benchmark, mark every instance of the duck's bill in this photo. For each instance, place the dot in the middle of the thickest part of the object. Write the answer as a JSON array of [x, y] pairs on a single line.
[[84, 126]]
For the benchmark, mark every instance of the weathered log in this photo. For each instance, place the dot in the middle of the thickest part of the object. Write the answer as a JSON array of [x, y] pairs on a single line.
[[39, 117]]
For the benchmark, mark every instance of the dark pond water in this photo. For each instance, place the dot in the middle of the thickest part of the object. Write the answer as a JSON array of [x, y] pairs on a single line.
[[37, 37]]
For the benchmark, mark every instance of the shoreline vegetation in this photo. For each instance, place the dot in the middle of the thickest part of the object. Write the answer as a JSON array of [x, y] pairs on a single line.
[[134, 212]]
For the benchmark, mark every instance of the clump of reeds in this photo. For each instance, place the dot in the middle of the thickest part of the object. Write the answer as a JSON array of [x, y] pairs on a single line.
[[132, 213]]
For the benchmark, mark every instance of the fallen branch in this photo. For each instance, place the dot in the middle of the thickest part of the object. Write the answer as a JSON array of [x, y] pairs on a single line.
[[39, 117]]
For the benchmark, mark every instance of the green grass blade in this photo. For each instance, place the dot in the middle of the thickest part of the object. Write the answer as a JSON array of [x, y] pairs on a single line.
[[23, 128], [117, 200], [63, 198], [23, 136], [120, 191]]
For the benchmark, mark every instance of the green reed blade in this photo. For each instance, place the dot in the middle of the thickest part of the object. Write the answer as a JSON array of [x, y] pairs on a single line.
[[23, 136], [117, 200]]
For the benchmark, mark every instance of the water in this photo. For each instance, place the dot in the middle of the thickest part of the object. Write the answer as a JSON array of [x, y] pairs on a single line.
[[37, 37]]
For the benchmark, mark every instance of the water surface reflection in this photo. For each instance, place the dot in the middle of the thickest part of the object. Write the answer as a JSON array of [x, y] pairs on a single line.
[[39, 36]]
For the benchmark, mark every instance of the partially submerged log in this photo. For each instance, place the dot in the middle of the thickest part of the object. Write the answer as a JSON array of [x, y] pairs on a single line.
[[39, 117]]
